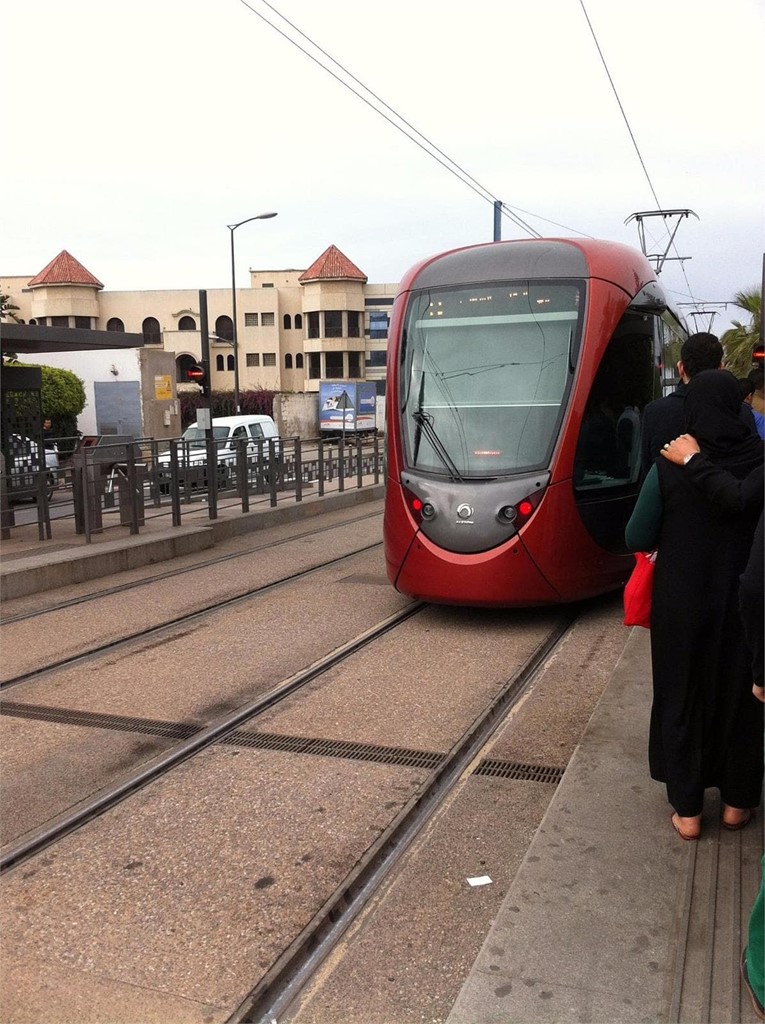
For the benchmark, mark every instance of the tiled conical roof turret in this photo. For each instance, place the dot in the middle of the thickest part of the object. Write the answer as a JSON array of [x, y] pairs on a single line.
[[64, 269], [333, 265]]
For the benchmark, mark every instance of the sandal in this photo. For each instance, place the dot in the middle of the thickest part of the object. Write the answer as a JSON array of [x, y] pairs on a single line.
[[688, 836], [742, 822]]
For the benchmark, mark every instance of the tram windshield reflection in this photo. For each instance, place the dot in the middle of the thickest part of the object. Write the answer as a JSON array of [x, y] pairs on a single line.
[[486, 371]]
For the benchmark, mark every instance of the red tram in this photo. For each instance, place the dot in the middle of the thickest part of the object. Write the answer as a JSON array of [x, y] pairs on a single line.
[[517, 374]]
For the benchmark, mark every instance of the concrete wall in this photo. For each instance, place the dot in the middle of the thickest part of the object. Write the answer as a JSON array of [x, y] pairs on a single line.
[[161, 414], [297, 415], [151, 368]]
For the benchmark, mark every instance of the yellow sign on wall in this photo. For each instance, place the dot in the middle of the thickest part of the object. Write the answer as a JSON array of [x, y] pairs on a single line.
[[163, 387]]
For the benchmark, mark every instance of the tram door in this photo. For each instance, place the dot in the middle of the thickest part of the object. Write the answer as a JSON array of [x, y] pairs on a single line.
[[607, 460]]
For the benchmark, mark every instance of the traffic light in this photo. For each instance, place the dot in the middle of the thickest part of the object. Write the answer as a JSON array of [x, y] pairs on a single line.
[[758, 357], [198, 373]]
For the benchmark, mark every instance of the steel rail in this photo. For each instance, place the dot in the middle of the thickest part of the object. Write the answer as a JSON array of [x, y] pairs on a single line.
[[170, 573], [275, 993], [45, 837], [211, 609]]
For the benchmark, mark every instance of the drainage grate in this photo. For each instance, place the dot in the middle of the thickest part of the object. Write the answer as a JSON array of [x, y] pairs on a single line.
[[401, 756], [92, 720], [516, 770]]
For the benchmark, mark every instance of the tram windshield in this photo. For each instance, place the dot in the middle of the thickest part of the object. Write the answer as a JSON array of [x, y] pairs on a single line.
[[485, 371]]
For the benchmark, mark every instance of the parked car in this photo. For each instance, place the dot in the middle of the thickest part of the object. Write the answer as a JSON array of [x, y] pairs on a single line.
[[25, 464], [228, 431]]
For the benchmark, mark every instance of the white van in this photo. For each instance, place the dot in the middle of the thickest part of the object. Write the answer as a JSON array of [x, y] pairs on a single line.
[[227, 430], [228, 433]]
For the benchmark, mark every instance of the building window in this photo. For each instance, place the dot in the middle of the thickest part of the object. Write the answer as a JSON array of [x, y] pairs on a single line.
[[377, 360], [288, 362], [41, 321], [187, 323], [378, 325], [287, 321], [334, 363], [299, 361], [313, 325], [224, 328], [59, 321], [353, 324], [269, 359], [114, 324], [267, 284], [85, 323], [253, 358], [314, 365], [379, 302], [230, 363], [333, 323], [354, 364], [250, 319], [219, 362], [151, 332], [298, 322], [267, 320]]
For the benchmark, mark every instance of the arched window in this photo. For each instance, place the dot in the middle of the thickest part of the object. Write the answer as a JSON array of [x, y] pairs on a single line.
[[288, 362], [219, 362], [298, 321], [114, 324], [287, 322], [182, 364], [151, 332], [187, 323], [229, 362], [224, 328], [299, 361]]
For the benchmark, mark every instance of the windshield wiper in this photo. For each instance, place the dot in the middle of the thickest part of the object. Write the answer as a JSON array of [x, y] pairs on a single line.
[[424, 423]]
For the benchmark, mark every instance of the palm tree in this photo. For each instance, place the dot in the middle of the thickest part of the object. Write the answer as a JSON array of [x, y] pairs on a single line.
[[7, 308], [740, 340]]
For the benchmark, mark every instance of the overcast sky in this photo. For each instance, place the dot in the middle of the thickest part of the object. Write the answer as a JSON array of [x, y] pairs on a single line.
[[133, 133]]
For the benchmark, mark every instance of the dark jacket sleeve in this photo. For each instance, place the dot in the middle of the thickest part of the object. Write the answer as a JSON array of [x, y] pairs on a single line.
[[724, 489]]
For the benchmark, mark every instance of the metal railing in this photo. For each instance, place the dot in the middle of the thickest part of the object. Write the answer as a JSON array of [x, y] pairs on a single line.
[[124, 485]]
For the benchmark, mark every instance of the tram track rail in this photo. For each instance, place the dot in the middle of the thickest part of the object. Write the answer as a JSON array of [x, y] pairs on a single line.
[[172, 573], [280, 987], [181, 620], [216, 732]]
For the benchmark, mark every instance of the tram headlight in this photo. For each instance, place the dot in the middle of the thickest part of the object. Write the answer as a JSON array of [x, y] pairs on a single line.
[[518, 514], [420, 509]]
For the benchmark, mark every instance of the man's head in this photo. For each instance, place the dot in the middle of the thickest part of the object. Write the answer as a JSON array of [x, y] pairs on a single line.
[[757, 377], [700, 352]]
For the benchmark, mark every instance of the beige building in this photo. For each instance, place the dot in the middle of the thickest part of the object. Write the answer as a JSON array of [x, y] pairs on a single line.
[[294, 327]]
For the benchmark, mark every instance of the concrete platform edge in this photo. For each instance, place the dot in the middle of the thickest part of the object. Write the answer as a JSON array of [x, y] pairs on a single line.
[[43, 571], [573, 939]]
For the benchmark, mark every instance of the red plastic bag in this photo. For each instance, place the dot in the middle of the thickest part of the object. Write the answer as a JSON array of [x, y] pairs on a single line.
[[638, 591]]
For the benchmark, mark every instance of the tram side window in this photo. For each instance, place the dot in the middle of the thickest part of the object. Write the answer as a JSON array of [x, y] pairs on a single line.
[[608, 449]]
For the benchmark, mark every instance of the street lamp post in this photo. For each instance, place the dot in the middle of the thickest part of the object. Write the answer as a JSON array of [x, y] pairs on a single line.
[[232, 228]]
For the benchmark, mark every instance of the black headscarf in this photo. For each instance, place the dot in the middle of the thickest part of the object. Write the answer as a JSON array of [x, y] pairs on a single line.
[[713, 417]]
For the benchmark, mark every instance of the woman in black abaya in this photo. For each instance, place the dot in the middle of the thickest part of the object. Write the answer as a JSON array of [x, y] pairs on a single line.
[[706, 726]]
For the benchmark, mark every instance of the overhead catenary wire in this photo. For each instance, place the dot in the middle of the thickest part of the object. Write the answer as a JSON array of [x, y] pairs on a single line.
[[631, 133], [427, 145], [401, 124]]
